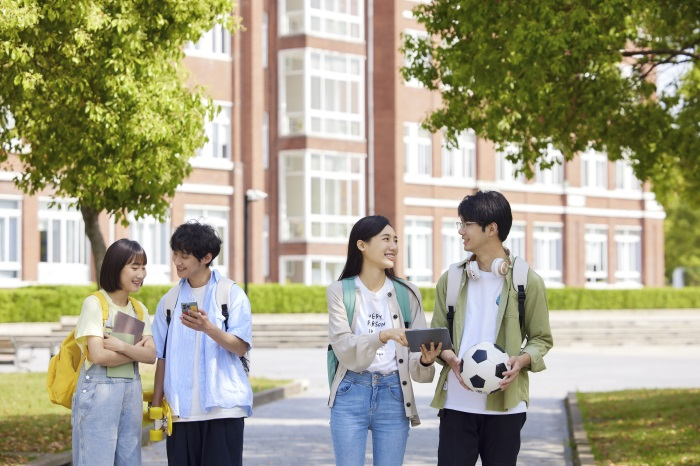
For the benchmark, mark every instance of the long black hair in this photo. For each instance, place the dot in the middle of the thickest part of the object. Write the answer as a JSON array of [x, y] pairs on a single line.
[[364, 230]]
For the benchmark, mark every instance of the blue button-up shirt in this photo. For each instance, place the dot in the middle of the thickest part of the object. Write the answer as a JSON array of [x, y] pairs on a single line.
[[222, 379]]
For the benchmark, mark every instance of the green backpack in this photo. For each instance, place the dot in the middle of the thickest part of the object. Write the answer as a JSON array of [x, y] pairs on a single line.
[[349, 302]]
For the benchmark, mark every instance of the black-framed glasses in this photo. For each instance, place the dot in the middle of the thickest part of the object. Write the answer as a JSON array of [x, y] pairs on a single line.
[[461, 225]]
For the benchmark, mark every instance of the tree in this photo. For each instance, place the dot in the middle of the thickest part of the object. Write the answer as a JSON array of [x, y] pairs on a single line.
[[682, 240], [571, 74], [96, 91]]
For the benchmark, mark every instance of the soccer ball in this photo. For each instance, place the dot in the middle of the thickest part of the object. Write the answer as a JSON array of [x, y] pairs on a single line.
[[483, 365]]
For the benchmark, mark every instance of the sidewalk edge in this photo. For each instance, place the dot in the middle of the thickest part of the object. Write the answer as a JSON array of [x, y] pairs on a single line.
[[581, 453], [295, 387]]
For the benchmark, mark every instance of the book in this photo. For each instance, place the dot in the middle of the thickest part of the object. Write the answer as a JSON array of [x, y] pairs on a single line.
[[124, 323], [124, 370]]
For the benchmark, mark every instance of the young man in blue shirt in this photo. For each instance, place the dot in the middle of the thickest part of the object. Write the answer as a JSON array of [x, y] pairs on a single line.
[[203, 378]]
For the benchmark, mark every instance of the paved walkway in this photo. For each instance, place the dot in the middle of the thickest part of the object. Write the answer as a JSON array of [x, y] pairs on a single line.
[[295, 431]]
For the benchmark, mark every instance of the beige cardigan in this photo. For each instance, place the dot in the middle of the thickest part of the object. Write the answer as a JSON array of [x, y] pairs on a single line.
[[356, 352]]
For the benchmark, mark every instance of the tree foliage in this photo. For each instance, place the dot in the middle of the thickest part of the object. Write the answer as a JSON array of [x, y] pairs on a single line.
[[571, 74], [96, 91]]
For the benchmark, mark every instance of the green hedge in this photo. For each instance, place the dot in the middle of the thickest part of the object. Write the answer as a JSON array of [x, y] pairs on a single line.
[[49, 303]]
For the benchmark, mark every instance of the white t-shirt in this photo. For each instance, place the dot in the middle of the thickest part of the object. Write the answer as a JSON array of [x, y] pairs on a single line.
[[196, 412], [373, 316], [479, 326]]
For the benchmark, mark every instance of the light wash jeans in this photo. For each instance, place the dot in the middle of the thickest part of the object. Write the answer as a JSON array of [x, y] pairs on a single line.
[[106, 418], [369, 401]]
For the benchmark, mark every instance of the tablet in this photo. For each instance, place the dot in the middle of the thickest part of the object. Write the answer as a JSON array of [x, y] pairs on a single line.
[[426, 335]]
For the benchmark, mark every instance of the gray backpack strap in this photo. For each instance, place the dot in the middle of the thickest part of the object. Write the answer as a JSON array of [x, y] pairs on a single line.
[[169, 306], [454, 280], [520, 269], [223, 299]]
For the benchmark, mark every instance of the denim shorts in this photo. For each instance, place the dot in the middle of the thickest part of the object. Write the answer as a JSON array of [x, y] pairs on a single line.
[[369, 401]]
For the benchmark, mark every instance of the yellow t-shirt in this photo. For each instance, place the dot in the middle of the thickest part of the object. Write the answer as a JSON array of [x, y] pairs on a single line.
[[90, 320]]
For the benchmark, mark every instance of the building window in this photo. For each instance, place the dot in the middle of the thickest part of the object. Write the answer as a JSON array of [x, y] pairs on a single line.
[[266, 140], [596, 250], [338, 19], [10, 239], [506, 170], [322, 94], [310, 270], [214, 43], [516, 240], [322, 194], [595, 169], [62, 237], [410, 58], [218, 131], [419, 250], [553, 176], [217, 217], [154, 237], [628, 252], [452, 246], [548, 253], [265, 32], [418, 150], [625, 178], [460, 162]]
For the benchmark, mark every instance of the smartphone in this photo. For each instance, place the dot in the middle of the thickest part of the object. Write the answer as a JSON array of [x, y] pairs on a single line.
[[190, 308]]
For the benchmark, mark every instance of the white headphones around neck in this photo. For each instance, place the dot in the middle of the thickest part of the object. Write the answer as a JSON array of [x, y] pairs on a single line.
[[499, 266]]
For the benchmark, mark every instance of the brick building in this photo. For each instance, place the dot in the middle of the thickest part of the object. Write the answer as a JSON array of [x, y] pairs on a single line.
[[316, 115]]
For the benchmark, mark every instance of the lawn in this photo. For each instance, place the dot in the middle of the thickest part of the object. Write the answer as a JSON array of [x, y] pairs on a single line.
[[30, 425], [643, 427]]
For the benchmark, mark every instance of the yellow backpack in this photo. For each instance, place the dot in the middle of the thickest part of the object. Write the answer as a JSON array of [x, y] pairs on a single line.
[[65, 366]]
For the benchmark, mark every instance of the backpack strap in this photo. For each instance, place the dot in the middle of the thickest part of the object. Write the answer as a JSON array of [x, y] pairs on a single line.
[[520, 269], [223, 296], [169, 302], [105, 306], [349, 298], [454, 280], [404, 304]]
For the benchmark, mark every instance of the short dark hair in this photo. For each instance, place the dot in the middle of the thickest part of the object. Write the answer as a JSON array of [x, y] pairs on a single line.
[[364, 230], [197, 239], [484, 207], [120, 253]]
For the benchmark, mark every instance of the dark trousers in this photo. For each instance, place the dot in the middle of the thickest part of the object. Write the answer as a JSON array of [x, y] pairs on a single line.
[[465, 436], [215, 442]]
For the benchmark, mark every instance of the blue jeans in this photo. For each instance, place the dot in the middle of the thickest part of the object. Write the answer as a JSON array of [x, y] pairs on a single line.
[[369, 401], [106, 418]]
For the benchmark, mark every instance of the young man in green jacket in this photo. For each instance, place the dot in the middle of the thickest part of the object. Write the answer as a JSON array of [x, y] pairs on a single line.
[[473, 424]]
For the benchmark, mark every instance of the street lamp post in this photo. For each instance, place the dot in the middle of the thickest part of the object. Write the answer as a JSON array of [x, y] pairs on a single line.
[[251, 195]]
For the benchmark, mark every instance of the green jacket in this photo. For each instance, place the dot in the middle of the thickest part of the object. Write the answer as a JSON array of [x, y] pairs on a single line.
[[536, 324]]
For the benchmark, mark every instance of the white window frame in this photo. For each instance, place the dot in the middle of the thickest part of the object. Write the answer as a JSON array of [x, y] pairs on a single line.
[[266, 140], [548, 239], [414, 34], [11, 240], [295, 229], [553, 176], [214, 44], [419, 265], [596, 269], [459, 162], [418, 151], [58, 268], [154, 238], [628, 253], [516, 241], [452, 245], [216, 152], [333, 94], [505, 169], [315, 18], [625, 179], [266, 246], [219, 218], [307, 263], [594, 170], [265, 48]]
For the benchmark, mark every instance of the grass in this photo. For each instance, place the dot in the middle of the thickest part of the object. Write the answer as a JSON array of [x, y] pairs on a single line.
[[31, 426], [643, 427]]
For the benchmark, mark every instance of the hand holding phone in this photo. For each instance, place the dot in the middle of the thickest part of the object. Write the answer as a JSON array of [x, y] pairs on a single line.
[[190, 309]]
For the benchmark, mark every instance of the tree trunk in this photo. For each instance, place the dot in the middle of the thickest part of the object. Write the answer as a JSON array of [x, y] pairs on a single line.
[[97, 242]]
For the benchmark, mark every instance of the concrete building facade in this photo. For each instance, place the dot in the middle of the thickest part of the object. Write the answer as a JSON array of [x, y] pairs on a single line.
[[315, 114]]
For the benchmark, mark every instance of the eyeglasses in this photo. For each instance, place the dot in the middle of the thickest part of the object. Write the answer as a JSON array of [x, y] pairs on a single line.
[[461, 225]]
